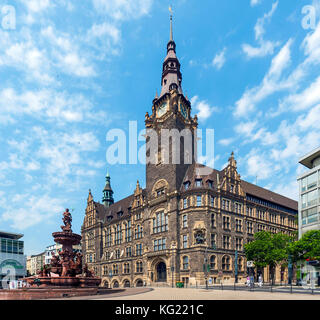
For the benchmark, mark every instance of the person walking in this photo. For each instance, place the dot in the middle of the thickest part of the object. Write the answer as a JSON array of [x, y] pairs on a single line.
[[260, 281], [248, 281]]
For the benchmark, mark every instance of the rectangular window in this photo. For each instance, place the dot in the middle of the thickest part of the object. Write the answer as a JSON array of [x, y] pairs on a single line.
[[312, 181], [118, 237], [199, 201], [249, 227], [128, 252], [160, 223], [185, 221], [213, 240], [198, 183], [312, 198], [226, 223], [212, 201], [239, 244], [185, 203], [139, 249], [213, 220], [238, 225], [185, 242], [159, 244], [128, 232], [226, 242]]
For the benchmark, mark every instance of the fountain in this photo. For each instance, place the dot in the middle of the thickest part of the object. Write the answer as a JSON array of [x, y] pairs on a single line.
[[65, 270], [64, 276]]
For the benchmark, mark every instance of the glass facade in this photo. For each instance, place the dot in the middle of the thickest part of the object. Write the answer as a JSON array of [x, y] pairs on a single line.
[[310, 198], [11, 246], [12, 258]]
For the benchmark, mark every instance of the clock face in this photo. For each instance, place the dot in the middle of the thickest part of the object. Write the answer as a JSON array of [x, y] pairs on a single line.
[[184, 110], [162, 109]]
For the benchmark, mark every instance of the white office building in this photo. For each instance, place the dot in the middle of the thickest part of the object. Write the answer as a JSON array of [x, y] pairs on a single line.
[[309, 193]]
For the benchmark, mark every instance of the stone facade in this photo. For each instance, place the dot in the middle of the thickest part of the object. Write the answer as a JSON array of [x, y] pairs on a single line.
[[185, 225]]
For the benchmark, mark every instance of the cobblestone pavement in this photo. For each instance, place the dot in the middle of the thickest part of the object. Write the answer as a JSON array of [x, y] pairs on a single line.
[[202, 294]]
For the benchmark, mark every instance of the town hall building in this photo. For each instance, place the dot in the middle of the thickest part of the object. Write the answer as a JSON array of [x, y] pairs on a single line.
[[184, 225]]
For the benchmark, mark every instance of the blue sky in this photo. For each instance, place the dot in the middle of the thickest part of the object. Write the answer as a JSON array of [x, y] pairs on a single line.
[[72, 70]]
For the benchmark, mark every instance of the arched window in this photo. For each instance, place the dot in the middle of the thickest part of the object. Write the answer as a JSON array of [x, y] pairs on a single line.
[[226, 263], [213, 262], [185, 263]]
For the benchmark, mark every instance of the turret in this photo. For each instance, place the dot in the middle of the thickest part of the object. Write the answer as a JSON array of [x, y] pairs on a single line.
[[107, 199]]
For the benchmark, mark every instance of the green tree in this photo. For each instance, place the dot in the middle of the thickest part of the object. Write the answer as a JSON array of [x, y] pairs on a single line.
[[268, 249], [308, 247]]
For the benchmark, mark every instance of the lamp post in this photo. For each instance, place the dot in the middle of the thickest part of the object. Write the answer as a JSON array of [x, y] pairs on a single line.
[[236, 266], [172, 271], [205, 268]]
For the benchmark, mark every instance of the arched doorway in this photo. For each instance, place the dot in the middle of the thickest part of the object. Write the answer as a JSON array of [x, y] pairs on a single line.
[[126, 284], [161, 272], [139, 283], [116, 284], [106, 284]]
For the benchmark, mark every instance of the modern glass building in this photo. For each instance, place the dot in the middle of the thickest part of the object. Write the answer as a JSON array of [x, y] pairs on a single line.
[[309, 194], [12, 258]]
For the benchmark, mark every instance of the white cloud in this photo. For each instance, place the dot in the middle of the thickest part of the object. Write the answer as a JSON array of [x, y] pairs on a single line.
[[123, 9], [311, 120], [105, 29], [265, 47], [226, 142], [270, 84], [35, 210], [258, 165], [48, 105], [36, 5], [204, 110], [255, 2], [220, 59]]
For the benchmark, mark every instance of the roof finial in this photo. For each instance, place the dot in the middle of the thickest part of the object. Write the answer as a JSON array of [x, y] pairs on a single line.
[[171, 31]]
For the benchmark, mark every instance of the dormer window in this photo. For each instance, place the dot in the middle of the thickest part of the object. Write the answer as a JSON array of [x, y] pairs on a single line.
[[160, 192], [198, 183], [120, 214], [210, 184], [186, 185], [165, 81], [109, 218]]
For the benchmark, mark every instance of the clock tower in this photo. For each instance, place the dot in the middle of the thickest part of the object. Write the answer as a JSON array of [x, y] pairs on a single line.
[[170, 129]]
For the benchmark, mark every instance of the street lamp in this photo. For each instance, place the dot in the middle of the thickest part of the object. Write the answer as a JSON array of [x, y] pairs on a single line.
[[236, 266]]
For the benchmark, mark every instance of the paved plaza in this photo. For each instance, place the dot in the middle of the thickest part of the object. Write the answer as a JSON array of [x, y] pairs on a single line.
[[196, 294]]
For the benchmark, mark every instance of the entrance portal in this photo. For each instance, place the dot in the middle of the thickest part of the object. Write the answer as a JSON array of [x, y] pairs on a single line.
[[161, 272]]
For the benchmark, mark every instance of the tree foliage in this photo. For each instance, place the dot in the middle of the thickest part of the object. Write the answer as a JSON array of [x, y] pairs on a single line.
[[268, 249], [308, 247]]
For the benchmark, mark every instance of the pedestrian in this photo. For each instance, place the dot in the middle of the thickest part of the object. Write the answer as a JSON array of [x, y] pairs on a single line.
[[248, 281], [251, 281], [260, 281]]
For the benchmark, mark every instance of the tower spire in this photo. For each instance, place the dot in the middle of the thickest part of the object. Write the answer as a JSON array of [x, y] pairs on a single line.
[[171, 74], [107, 199], [171, 29]]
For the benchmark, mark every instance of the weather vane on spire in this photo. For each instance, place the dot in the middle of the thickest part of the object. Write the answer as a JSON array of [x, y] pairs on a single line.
[[171, 13]]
